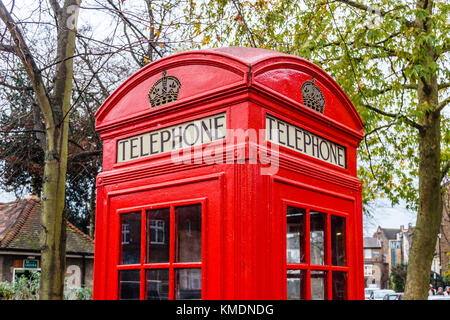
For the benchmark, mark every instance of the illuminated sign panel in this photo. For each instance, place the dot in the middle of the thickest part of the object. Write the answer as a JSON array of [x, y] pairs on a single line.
[[187, 134], [305, 142]]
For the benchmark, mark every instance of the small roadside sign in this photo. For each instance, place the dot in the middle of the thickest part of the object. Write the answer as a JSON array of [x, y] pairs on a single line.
[[30, 264]]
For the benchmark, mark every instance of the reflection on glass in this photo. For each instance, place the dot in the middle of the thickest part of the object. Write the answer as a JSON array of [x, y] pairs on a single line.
[[319, 285], [189, 284], [295, 235], [338, 241], [296, 284], [317, 237], [158, 235], [339, 285], [130, 226], [189, 233], [157, 284], [129, 284]]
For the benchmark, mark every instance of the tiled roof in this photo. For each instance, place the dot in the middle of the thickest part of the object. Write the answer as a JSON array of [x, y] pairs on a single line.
[[20, 228], [370, 242], [391, 234]]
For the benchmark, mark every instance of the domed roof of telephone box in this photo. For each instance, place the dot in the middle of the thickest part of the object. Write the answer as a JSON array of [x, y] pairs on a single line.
[[204, 74]]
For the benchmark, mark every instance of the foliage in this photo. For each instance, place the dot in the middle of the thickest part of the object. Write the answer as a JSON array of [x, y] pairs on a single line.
[[27, 288], [6, 290], [78, 293], [391, 58], [21, 155], [398, 277], [447, 272], [23, 288], [372, 51]]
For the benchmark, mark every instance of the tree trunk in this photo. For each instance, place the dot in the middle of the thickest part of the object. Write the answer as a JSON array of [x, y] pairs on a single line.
[[53, 250], [429, 213], [53, 237], [92, 211]]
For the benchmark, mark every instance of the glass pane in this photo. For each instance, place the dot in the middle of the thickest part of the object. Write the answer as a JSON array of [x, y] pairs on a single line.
[[319, 285], [338, 241], [339, 285], [129, 281], [158, 235], [130, 226], [318, 221], [189, 233], [296, 284], [157, 284], [189, 284], [295, 235]]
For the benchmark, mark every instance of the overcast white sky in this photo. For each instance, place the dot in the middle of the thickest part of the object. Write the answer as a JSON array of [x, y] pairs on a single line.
[[386, 216]]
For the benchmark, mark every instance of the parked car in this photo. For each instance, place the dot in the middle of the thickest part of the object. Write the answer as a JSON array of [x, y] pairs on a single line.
[[379, 294], [368, 292], [394, 296], [436, 297]]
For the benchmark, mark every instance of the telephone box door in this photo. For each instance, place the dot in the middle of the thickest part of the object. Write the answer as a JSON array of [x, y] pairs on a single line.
[[165, 240], [317, 248]]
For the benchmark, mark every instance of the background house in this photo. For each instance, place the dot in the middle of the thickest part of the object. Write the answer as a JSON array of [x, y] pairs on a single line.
[[20, 244], [375, 267], [390, 247], [443, 243], [395, 244], [387, 248]]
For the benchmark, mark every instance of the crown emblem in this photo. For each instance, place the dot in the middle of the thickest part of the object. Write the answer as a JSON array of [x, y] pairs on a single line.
[[313, 96], [164, 90]]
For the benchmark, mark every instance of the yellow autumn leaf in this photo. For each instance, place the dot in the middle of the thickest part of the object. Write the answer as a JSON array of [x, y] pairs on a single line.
[[206, 40]]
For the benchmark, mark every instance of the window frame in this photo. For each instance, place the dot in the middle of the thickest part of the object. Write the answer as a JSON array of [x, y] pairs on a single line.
[[367, 253], [327, 266], [23, 269], [368, 267], [156, 229], [172, 266]]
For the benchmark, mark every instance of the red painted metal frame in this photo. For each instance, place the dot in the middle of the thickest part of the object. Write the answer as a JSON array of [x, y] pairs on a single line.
[[171, 265], [327, 266], [243, 212]]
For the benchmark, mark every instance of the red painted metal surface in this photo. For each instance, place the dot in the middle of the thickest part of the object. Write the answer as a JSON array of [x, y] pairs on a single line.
[[243, 211]]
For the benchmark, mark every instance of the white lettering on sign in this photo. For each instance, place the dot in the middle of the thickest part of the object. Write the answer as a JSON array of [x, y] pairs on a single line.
[[188, 134], [305, 142]]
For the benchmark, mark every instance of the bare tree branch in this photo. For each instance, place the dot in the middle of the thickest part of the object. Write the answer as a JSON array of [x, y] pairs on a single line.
[[127, 21], [85, 154], [55, 6], [12, 87], [444, 86], [443, 104], [7, 48], [31, 68], [374, 10], [394, 115], [251, 37]]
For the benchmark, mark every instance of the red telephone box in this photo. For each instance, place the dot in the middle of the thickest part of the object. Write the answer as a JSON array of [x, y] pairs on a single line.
[[229, 174]]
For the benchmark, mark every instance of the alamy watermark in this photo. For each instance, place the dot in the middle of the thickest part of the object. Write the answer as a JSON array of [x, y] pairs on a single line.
[[375, 17], [73, 12], [240, 146]]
